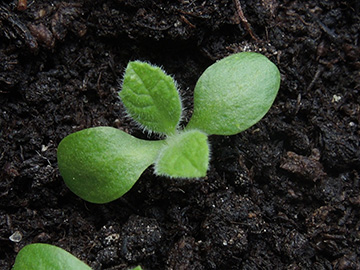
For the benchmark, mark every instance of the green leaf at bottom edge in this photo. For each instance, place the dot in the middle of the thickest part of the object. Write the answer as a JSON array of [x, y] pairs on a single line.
[[47, 257], [137, 268]]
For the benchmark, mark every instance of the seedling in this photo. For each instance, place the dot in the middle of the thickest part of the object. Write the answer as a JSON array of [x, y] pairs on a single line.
[[45, 257], [101, 164]]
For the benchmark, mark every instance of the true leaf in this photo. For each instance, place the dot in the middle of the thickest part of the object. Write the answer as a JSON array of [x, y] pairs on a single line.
[[151, 98], [101, 164], [47, 257], [184, 155], [234, 93]]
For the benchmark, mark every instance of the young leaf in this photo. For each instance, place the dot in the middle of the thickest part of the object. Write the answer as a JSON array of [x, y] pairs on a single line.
[[184, 155], [151, 98], [137, 268], [101, 164], [45, 257], [234, 93]]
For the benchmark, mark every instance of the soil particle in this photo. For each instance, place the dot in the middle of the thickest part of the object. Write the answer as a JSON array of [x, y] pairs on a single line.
[[139, 239], [190, 255], [340, 150], [308, 168]]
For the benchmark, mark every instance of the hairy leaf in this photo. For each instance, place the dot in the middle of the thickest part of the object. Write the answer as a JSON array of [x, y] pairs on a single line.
[[47, 257], [184, 155], [151, 98], [101, 164], [234, 93]]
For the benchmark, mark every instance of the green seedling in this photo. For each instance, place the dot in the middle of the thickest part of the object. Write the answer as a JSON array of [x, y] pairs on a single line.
[[45, 257], [48, 257], [101, 164]]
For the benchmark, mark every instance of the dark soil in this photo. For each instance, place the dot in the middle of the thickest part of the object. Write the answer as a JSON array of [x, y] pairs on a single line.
[[282, 195]]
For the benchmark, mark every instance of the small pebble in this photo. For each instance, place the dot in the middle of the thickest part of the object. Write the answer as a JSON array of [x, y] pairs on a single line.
[[16, 237]]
